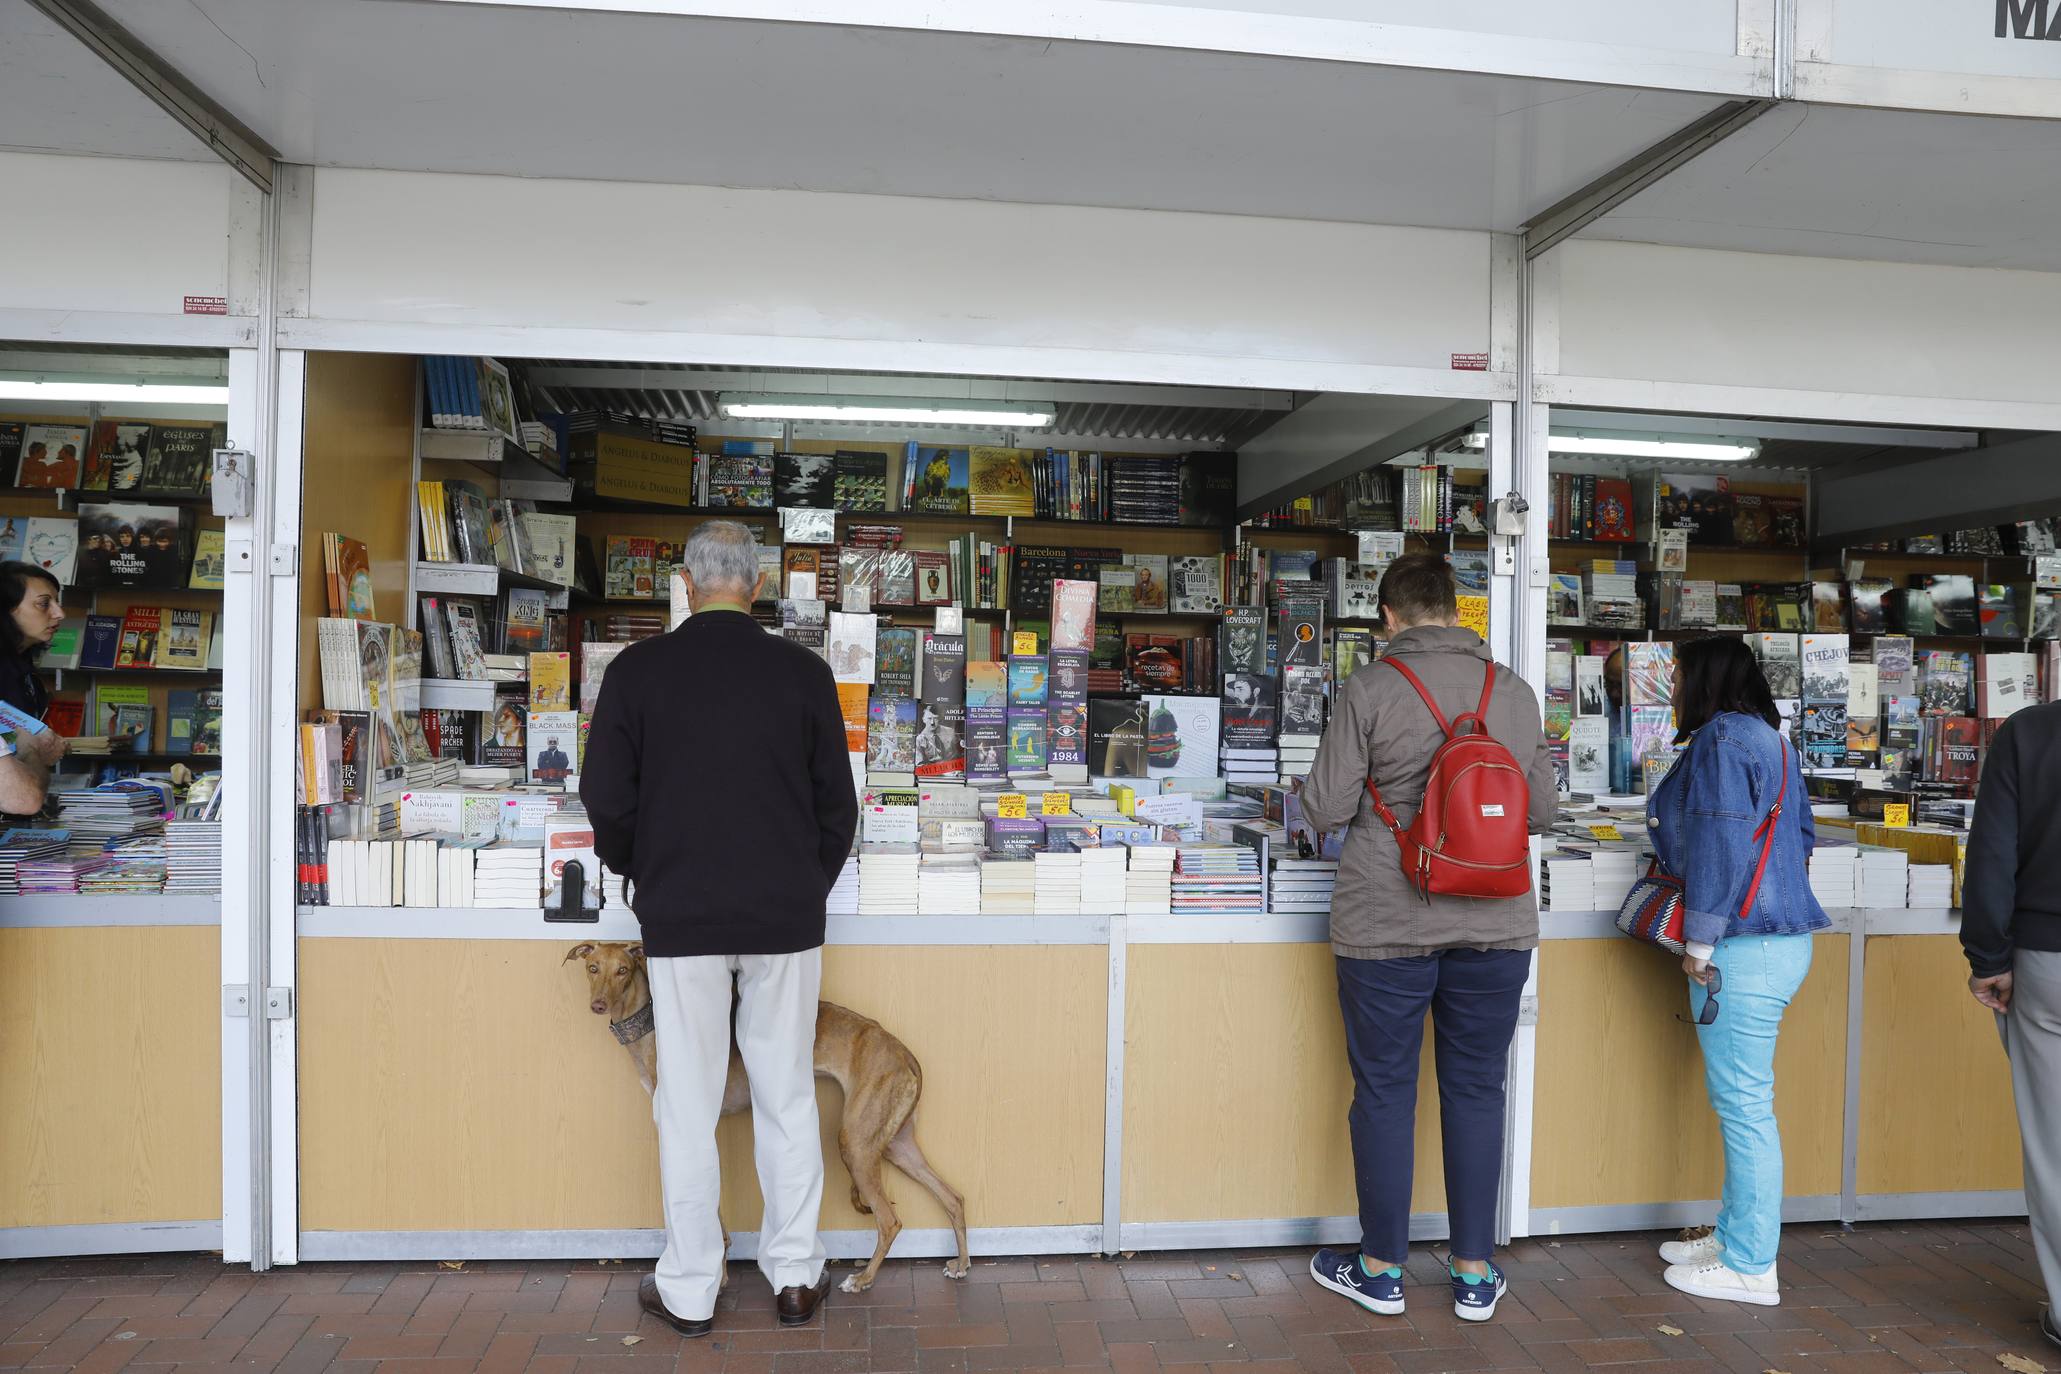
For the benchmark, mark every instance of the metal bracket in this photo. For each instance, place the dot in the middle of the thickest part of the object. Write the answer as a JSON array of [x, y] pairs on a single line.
[[278, 1004], [236, 999], [285, 560]]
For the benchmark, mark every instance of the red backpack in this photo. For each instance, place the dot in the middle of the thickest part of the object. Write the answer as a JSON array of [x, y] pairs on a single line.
[[1472, 837]]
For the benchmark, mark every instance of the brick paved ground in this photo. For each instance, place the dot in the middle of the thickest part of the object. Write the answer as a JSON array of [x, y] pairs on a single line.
[[1879, 1300]]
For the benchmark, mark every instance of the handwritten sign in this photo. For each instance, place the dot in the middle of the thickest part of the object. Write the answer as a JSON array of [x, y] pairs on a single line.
[[1056, 803], [1474, 614], [1605, 832], [1023, 642], [1012, 806], [1896, 814]]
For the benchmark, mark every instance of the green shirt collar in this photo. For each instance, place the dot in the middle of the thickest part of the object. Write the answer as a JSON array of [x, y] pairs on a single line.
[[726, 606]]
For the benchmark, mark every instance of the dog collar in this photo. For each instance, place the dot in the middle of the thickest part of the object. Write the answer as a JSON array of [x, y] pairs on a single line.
[[633, 1027]]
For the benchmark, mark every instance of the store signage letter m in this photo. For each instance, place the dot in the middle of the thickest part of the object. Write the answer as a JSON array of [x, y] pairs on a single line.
[[2027, 19]]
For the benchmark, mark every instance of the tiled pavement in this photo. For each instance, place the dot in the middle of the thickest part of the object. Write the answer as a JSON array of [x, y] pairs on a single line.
[[1878, 1300]]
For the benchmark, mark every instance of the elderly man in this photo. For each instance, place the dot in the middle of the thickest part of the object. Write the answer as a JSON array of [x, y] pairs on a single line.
[[717, 782]]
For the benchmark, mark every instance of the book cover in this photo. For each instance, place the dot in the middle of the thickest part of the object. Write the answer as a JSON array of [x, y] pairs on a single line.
[[806, 621], [1301, 637], [1651, 673], [114, 459], [125, 712], [987, 702], [553, 541], [1244, 640], [550, 681], [859, 481], [1197, 584], [132, 546], [1251, 710], [67, 644], [141, 626], [550, 739], [1000, 482], [1781, 663], [211, 561], [506, 740], [1701, 504], [526, 620], [207, 722], [1954, 608], [102, 641], [1613, 520], [1825, 672], [1588, 755], [1828, 607], [1149, 590], [1073, 613], [1027, 680], [937, 479], [1302, 703], [804, 480], [1029, 734], [52, 457], [940, 739], [1591, 695], [182, 641], [933, 578], [740, 481], [1117, 590], [891, 725], [895, 670], [944, 670], [350, 577], [1946, 683], [1116, 737], [375, 668], [181, 461], [182, 708], [1155, 663], [1352, 648], [1181, 736], [1564, 599]]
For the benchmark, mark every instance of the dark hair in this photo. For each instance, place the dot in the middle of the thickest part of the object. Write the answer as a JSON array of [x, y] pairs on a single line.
[[1420, 587], [14, 589], [1718, 673]]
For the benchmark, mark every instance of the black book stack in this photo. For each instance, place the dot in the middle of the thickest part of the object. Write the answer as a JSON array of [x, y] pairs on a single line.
[[1145, 490]]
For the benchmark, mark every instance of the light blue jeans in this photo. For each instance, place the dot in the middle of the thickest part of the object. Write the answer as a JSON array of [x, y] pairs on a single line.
[[1761, 973]]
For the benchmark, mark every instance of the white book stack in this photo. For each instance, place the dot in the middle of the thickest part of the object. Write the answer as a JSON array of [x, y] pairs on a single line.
[[1882, 879], [193, 856], [1296, 757], [1931, 887], [508, 875], [28, 846], [1257, 767], [1008, 887], [614, 897], [1568, 883], [1834, 874], [888, 877], [1614, 871], [1102, 880], [844, 893], [948, 884], [1056, 883], [1149, 880], [1302, 885], [455, 866]]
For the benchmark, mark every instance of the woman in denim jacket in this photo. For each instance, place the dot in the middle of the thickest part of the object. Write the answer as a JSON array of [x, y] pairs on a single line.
[[1745, 961]]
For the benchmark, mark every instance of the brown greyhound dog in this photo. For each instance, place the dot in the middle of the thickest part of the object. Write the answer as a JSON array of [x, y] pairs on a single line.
[[880, 1078]]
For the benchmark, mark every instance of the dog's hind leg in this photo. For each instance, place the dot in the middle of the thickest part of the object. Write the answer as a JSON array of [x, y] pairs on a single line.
[[908, 1157], [866, 1183]]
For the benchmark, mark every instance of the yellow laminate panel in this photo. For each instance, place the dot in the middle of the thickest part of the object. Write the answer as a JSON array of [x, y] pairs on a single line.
[[465, 1085], [1936, 1108], [110, 1075], [1621, 1115], [1236, 1088]]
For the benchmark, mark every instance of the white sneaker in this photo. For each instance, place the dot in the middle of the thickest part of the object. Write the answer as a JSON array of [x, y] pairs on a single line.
[[1715, 1279], [1701, 1250]]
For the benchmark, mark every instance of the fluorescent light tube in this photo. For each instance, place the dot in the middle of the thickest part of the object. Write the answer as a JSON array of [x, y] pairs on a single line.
[[1628, 446], [889, 410], [149, 392]]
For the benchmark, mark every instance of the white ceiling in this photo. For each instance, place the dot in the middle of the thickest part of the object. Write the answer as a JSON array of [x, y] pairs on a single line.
[[373, 83], [1887, 185], [56, 97]]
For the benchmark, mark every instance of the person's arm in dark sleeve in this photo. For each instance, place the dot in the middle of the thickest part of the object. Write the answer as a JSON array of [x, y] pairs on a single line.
[[830, 770], [1989, 886], [609, 774]]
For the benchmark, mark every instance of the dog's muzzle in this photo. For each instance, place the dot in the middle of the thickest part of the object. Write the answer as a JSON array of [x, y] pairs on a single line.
[[633, 1027]]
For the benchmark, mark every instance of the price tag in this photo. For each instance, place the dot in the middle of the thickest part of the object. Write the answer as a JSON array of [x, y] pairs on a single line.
[[1056, 803], [1605, 831], [1023, 642], [2047, 571], [1012, 806], [1304, 503], [1896, 814], [801, 586]]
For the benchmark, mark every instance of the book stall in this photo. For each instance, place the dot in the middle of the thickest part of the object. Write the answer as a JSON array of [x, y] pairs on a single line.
[[113, 891]]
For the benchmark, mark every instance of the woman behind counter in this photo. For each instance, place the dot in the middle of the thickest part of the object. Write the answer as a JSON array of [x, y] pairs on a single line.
[[32, 602], [1748, 943]]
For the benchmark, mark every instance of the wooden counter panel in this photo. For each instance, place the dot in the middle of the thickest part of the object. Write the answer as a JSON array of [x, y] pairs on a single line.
[[110, 1075], [1937, 1115], [1236, 1088], [1621, 1113], [464, 1085]]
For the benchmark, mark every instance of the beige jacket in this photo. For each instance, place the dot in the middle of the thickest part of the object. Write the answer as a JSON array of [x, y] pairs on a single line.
[[1380, 729]]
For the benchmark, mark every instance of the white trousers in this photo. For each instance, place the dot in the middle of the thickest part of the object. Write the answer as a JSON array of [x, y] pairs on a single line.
[[776, 1035]]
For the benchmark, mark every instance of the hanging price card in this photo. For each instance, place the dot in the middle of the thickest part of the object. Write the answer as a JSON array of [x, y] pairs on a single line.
[[1012, 806], [1023, 642], [1896, 813], [1056, 803]]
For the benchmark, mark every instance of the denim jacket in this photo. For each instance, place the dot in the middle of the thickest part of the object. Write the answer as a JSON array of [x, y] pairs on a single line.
[[1701, 820]]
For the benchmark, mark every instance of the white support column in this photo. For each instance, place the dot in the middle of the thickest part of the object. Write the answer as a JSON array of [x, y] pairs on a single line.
[[242, 857]]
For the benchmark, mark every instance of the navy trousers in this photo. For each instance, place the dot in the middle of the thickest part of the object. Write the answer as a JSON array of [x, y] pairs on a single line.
[[1472, 996]]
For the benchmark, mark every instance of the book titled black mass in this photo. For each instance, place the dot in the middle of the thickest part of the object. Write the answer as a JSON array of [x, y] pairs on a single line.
[[944, 670]]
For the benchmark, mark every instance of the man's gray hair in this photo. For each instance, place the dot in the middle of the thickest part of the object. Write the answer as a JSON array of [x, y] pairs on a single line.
[[721, 553]]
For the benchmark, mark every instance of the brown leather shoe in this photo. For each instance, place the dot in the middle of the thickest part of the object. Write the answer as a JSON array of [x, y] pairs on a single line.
[[650, 1301], [797, 1304]]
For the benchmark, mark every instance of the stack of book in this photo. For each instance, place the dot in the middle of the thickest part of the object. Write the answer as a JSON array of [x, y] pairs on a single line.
[[1252, 767], [1615, 868], [888, 878], [1008, 886], [1303, 885], [41, 877], [948, 884], [1567, 882], [1882, 878], [1148, 882], [28, 846], [1834, 875], [508, 876], [1056, 883], [134, 865], [1218, 880], [1610, 589], [112, 811], [844, 893], [1144, 489], [1931, 887], [1102, 880]]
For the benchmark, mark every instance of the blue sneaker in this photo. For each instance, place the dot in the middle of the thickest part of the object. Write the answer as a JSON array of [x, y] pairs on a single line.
[[1342, 1273], [1475, 1296]]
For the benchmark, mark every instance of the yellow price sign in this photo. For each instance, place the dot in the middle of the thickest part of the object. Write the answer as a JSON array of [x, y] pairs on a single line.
[[1056, 803], [1305, 503], [1012, 806], [1605, 832], [1023, 642], [1896, 813]]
